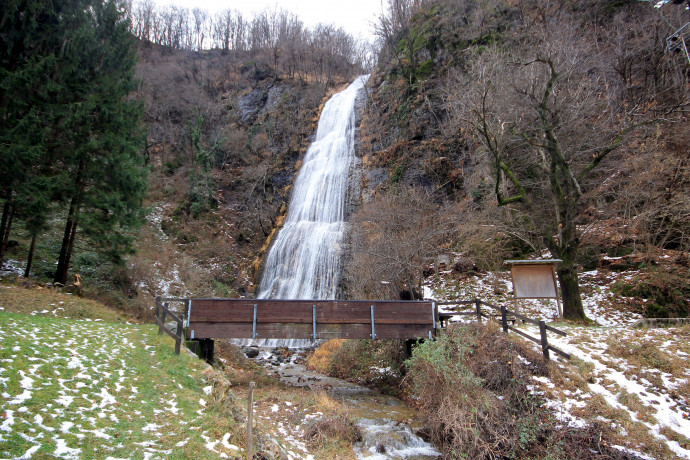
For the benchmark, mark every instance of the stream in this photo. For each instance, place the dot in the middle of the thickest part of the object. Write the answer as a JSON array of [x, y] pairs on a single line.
[[389, 427]]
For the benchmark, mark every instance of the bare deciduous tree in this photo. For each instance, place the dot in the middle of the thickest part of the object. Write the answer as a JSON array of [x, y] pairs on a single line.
[[276, 38], [392, 238], [547, 114]]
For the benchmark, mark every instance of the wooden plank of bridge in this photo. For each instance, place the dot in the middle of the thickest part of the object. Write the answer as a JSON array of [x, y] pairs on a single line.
[[221, 318], [219, 310], [304, 331]]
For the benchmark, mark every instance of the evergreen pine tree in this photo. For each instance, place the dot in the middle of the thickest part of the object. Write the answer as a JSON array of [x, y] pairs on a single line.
[[30, 41], [105, 165], [71, 132]]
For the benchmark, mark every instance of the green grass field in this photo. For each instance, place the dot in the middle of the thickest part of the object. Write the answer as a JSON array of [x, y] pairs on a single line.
[[95, 389]]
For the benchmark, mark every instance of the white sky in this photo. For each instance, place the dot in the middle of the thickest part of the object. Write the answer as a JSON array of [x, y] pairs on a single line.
[[354, 16]]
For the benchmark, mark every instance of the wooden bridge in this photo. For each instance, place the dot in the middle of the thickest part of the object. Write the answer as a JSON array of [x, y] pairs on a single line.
[[308, 319], [207, 319]]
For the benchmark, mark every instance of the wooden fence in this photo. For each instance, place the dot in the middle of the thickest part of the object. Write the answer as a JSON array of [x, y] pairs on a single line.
[[327, 319], [163, 312], [503, 315]]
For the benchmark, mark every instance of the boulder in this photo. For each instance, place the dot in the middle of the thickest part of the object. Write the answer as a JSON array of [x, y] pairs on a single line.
[[251, 352]]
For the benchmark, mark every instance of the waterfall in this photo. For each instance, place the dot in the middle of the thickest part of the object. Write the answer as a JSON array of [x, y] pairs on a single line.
[[304, 262]]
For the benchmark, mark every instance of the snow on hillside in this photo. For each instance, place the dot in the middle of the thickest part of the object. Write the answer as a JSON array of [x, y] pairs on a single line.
[[85, 389], [635, 380]]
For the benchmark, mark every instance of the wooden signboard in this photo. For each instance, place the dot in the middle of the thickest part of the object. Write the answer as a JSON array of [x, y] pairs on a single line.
[[535, 279]]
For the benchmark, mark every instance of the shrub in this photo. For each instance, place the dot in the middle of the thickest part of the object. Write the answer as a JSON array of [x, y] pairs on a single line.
[[322, 357], [332, 427], [667, 292], [376, 364], [335, 430], [471, 385]]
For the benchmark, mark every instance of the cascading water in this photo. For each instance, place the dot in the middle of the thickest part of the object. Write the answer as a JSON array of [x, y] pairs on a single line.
[[304, 262]]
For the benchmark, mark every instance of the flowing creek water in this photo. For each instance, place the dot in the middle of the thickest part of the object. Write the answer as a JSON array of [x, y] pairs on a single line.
[[390, 429], [304, 262]]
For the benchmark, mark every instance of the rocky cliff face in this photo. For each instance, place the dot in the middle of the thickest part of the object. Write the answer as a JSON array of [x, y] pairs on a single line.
[[225, 144]]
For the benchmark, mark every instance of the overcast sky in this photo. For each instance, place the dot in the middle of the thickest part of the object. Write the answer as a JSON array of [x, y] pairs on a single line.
[[355, 16]]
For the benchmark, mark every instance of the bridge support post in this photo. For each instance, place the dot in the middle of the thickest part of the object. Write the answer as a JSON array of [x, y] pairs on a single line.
[[205, 349], [408, 347]]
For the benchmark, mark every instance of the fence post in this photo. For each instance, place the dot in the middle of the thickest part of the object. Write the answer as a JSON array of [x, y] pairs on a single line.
[[504, 318], [478, 304], [544, 341], [180, 335], [161, 311], [250, 411], [155, 311]]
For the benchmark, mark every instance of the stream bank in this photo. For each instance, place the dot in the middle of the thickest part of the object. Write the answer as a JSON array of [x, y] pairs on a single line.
[[390, 429]]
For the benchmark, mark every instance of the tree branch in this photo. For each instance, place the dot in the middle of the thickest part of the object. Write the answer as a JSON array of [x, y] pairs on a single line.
[[604, 151], [492, 145]]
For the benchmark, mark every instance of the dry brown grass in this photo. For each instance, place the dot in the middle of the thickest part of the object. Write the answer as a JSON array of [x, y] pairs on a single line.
[[642, 351], [682, 392], [322, 357], [47, 302], [333, 431], [675, 436], [633, 402], [239, 369], [636, 435]]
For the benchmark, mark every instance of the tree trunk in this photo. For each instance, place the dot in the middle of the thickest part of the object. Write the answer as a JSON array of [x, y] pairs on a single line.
[[70, 229], [61, 270], [30, 259], [570, 291], [3, 225], [5, 234], [69, 249], [66, 251], [566, 249]]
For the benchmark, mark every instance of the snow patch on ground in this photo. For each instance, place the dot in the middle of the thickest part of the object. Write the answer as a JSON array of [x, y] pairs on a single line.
[[64, 381], [616, 380]]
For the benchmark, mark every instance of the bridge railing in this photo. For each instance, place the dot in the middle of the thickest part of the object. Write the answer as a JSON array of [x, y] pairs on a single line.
[[327, 319]]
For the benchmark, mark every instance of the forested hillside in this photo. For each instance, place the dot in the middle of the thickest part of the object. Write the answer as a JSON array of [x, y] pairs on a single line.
[[224, 131], [503, 130], [492, 130]]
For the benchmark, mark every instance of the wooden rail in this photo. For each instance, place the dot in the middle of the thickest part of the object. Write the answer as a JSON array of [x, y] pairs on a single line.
[[310, 319], [162, 312], [505, 316]]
